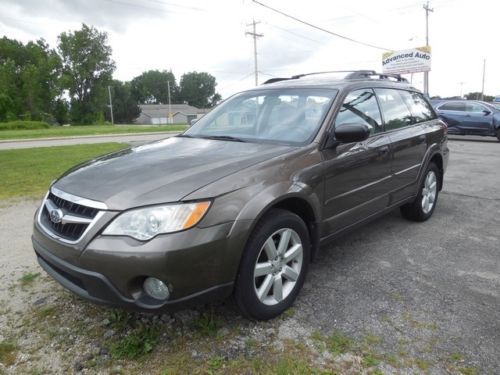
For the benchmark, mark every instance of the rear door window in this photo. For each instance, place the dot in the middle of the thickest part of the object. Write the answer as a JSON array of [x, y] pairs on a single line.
[[474, 107], [360, 107], [420, 110], [453, 106], [394, 109]]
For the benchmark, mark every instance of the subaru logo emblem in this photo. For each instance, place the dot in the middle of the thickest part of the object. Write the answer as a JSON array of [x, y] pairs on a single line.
[[56, 215]]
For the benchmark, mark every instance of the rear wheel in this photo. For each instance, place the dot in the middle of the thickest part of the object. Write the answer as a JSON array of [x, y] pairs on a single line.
[[424, 204], [498, 134], [274, 265]]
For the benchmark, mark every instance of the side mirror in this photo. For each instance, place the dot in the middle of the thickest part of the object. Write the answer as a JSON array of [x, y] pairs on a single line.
[[486, 112], [347, 133], [193, 121]]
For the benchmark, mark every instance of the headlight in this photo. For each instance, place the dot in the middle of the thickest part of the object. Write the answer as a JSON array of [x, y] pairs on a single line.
[[145, 223]]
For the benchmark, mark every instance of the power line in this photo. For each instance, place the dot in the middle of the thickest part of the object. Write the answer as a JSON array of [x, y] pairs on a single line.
[[320, 28]]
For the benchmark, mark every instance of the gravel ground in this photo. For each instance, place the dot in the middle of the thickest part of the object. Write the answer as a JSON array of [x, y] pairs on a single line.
[[393, 297]]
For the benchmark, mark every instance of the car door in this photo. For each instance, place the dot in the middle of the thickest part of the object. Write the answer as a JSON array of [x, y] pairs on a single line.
[[478, 119], [356, 174], [453, 113], [407, 120]]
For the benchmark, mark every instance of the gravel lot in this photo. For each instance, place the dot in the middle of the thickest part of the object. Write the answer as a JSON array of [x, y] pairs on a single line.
[[393, 297]]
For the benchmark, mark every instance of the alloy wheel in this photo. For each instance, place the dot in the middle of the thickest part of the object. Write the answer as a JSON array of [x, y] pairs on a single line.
[[278, 266], [429, 192]]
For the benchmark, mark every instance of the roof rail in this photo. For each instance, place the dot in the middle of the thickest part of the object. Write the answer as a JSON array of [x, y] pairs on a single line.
[[276, 79], [353, 74], [360, 74]]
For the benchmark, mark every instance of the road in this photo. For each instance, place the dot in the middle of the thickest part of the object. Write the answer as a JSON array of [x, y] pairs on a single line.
[[62, 141], [420, 297]]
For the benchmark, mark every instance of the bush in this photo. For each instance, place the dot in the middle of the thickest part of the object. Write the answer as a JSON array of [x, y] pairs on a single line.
[[23, 125]]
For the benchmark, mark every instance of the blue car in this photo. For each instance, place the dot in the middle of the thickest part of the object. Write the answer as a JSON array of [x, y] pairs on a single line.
[[469, 117]]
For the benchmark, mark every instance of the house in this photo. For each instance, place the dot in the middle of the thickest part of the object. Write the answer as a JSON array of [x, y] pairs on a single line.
[[157, 114]]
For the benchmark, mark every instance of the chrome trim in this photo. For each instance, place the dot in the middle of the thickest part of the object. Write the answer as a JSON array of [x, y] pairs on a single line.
[[358, 189], [78, 200], [407, 169]]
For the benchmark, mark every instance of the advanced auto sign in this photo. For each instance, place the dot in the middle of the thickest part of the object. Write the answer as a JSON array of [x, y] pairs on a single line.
[[407, 61]]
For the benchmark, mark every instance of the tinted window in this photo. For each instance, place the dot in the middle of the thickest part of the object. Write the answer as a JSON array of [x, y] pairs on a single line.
[[474, 107], [360, 107], [395, 111], [453, 106], [419, 108]]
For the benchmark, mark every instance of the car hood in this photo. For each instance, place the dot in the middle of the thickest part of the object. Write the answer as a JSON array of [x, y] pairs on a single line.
[[163, 171]]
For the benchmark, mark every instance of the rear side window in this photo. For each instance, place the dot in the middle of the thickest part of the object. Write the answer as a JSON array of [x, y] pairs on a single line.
[[453, 106], [419, 108], [394, 109], [360, 107]]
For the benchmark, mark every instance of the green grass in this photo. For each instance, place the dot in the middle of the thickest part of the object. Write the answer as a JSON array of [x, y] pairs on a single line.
[[7, 353], [71, 131], [28, 172], [28, 278], [23, 125], [338, 343], [136, 344]]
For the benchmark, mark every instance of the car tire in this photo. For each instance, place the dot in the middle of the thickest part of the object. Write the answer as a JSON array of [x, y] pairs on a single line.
[[498, 134], [424, 204], [274, 265]]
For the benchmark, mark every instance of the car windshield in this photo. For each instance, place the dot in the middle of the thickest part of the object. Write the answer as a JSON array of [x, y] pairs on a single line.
[[289, 116]]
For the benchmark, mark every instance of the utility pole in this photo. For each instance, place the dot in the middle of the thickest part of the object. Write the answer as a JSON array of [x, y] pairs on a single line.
[[484, 73], [169, 105], [461, 88], [254, 34], [111, 106], [426, 74]]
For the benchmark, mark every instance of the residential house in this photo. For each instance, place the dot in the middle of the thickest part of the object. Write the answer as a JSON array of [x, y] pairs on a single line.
[[157, 114]]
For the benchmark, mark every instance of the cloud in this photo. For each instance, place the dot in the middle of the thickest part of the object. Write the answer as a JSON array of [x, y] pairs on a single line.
[[111, 14]]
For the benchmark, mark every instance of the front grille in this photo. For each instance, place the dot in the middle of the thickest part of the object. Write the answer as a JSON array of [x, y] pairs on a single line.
[[74, 208], [68, 231]]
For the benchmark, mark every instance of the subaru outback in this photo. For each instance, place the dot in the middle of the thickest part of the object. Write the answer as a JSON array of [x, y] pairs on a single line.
[[240, 203]]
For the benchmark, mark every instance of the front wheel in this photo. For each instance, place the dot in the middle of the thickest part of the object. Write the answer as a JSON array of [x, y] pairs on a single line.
[[424, 204], [273, 266]]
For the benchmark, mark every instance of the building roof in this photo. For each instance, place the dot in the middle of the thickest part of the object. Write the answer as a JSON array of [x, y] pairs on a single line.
[[161, 110]]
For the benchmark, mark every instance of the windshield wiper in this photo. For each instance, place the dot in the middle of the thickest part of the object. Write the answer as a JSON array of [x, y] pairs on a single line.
[[223, 138], [185, 136]]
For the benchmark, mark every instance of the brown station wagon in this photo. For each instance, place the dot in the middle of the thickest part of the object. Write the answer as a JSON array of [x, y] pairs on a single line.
[[240, 203]]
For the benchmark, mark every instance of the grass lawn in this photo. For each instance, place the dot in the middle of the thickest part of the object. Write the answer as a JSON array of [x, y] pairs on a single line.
[[69, 131], [28, 172]]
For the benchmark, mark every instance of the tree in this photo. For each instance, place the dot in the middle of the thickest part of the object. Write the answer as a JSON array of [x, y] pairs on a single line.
[[29, 80], [87, 70], [151, 87], [477, 96], [125, 108], [198, 89]]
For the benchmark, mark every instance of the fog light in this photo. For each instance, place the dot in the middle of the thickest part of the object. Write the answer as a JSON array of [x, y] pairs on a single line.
[[156, 288]]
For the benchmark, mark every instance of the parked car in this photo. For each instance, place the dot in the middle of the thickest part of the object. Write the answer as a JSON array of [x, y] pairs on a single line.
[[241, 202], [469, 117]]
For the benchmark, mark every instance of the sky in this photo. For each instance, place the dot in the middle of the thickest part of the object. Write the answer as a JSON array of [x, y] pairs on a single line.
[[196, 35]]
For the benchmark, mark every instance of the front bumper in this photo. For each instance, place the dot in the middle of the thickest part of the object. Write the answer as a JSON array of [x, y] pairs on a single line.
[[198, 265]]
